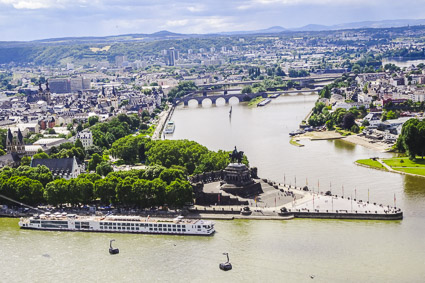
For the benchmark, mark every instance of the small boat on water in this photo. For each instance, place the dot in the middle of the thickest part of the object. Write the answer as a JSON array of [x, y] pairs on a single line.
[[264, 102], [113, 251], [226, 266], [169, 128], [275, 95], [297, 132]]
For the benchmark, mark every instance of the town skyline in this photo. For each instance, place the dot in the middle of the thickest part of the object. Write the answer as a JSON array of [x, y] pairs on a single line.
[[52, 19]]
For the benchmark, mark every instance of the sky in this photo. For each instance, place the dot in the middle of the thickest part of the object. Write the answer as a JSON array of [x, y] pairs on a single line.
[[25, 20]]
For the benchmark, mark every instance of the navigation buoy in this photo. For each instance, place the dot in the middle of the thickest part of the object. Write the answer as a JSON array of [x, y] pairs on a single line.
[[225, 266], [113, 251]]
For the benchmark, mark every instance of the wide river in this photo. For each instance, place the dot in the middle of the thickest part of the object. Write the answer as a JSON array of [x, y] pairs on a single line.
[[260, 251]]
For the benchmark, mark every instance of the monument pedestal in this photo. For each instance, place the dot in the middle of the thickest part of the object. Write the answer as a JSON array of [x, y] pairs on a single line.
[[238, 181]]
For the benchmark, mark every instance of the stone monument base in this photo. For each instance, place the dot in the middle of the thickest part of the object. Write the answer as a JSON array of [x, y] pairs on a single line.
[[246, 191]]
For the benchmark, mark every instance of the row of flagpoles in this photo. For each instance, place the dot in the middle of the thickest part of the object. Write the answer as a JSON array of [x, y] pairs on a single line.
[[330, 189]]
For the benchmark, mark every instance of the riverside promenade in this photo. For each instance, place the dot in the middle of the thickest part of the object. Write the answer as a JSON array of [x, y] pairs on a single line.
[[285, 202]]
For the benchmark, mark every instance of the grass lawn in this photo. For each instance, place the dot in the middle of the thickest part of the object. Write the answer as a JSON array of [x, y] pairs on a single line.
[[371, 163], [417, 171], [255, 101], [294, 142], [404, 162]]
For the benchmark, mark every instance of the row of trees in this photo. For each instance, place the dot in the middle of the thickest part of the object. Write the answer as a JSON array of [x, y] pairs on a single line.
[[189, 155], [154, 186]]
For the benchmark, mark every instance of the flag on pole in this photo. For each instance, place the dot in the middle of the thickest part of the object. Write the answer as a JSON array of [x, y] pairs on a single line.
[[306, 181], [343, 190], [355, 193], [394, 200], [284, 179]]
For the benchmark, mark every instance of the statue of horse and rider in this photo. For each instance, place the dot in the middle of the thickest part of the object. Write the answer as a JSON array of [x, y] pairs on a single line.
[[236, 156]]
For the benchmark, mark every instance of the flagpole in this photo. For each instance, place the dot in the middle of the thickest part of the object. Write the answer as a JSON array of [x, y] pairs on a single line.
[[394, 201], [367, 195]]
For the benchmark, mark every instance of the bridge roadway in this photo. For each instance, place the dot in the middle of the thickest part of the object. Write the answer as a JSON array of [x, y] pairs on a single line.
[[302, 79], [240, 96]]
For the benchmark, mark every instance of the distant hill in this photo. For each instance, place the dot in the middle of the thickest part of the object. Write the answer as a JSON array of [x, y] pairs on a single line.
[[274, 29], [365, 24]]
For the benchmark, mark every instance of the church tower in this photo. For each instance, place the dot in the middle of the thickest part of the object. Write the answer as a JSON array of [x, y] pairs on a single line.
[[46, 93], [9, 142], [20, 146]]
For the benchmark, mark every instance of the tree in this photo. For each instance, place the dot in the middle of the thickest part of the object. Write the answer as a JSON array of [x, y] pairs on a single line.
[[79, 144], [94, 161], [247, 89], [104, 168], [178, 193], [105, 189], [57, 192], [348, 120], [325, 92], [41, 155], [93, 120], [169, 175], [26, 161], [124, 191]]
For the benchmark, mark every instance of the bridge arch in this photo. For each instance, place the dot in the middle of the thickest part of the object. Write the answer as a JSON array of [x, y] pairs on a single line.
[[187, 101], [206, 101], [221, 100], [233, 99]]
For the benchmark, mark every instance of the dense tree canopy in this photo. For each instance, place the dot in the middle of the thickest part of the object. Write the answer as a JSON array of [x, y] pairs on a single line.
[[412, 138]]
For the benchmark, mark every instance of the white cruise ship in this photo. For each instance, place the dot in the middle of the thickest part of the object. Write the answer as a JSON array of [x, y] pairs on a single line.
[[169, 128], [120, 224]]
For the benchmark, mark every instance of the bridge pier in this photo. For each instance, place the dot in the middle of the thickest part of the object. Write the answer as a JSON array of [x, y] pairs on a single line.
[[186, 103]]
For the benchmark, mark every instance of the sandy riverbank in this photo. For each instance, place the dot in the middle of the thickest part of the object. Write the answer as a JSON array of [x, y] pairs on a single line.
[[355, 139], [372, 144]]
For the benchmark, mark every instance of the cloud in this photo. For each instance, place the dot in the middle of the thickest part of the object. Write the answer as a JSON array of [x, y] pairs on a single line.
[[59, 18]]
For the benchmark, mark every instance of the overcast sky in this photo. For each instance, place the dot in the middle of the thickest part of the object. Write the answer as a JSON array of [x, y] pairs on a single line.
[[37, 19]]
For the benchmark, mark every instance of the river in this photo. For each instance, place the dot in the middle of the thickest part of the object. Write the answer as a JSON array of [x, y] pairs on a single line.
[[260, 251]]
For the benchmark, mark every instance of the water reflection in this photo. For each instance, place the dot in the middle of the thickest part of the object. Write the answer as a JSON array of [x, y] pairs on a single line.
[[414, 187], [341, 145]]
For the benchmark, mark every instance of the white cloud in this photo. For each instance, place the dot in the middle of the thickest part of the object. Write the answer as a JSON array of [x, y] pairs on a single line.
[[177, 23]]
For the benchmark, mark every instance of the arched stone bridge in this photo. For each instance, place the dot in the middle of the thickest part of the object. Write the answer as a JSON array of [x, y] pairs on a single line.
[[214, 98], [240, 96]]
